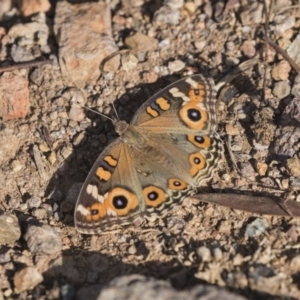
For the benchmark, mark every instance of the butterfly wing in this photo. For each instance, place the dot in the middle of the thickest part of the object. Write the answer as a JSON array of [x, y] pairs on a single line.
[[110, 194], [182, 119], [169, 169], [188, 105], [181, 149]]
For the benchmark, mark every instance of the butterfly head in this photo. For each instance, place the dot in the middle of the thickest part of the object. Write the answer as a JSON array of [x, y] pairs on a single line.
[[120, 127]]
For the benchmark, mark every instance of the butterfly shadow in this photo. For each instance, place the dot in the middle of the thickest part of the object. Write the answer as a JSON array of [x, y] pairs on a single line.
[[87, 273]]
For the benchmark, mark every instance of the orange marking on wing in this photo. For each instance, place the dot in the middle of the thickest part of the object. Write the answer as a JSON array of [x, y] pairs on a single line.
[[97, 211], [193, 171], [110, 160], [193, 124], [131, 204], [205, 144], [163, 103], [176, 184], [199, 94], [153, 113], [103, 174], [158, 195]]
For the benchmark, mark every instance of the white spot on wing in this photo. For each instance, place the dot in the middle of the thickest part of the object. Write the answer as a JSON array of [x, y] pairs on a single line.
[[101, 198], [89, 189], [93, 191], [192, 82], [84, 211], [176, 93], [111, 212], [201, 106]]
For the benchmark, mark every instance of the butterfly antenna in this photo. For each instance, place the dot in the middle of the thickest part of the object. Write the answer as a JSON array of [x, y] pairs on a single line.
[[99, 113], [115, 111]]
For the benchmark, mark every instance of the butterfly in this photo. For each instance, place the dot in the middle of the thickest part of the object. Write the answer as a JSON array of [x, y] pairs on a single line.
[[169, 148]]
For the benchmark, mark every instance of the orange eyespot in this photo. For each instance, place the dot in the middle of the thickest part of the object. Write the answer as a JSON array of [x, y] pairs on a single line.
[[120, 202], [197, 163], [193, 116], [176, 184], [199, 141], [153, 195]]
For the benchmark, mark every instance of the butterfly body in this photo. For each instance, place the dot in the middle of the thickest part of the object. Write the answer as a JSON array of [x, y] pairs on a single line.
[[169, 148]]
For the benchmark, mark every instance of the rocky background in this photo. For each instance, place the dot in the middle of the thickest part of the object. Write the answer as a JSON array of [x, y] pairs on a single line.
[[56, 57]]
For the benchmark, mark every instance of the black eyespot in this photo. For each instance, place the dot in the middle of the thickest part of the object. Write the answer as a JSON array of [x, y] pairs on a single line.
[[94, 212], [152, 196], [194, 114], [197, 161], [120, 202], [199, 139], [196, 91], [177, 183]]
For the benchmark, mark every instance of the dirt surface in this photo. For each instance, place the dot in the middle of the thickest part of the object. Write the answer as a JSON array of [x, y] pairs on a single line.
[[46, 155]]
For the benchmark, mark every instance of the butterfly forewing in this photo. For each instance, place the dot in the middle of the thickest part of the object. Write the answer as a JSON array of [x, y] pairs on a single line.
[[187, 105]]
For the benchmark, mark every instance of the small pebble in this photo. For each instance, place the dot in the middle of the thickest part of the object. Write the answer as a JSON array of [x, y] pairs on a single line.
[[283, 22], [176, 66], [52, 158], [76, 114], [190, 7], [293, 49], [293, 166], [16, 166], [218, 254], [204, 253], [248, 49], [34, 202], [230, 46], [66, 151], [238, 259], [257, 227], [129, 62], [79, 138], [132, 249], [231, 130], [252, 14], [44, 147], [73, 192], [42, 240], [9, 229], [261, 168], [166, 15], [27, 279], [200, 44], [282, 89], [281, 71], [39, 213], [174, 4]]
